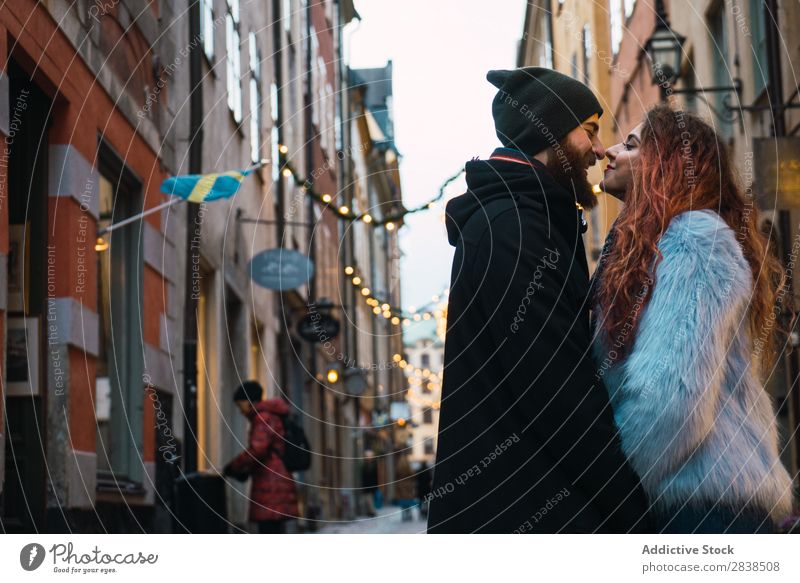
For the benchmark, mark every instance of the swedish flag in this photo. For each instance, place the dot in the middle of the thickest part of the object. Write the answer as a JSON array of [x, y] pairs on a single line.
[[205, 187]]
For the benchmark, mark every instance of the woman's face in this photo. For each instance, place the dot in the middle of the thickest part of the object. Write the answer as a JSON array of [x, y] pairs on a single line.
[[621, 163]]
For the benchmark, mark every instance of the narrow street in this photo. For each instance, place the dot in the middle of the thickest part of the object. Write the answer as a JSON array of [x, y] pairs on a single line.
[[388, 521]]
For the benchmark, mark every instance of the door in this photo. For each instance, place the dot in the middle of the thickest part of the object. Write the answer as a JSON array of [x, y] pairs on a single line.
[[23, 506]]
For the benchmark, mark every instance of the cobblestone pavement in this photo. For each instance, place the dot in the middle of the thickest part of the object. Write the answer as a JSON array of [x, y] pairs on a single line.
[[388, 521]]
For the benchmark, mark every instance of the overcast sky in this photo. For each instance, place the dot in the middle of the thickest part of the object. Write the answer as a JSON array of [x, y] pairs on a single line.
[[440, 52]]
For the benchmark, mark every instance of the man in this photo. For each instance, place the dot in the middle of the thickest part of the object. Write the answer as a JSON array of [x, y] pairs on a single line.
[[527, 441], [273, 496]]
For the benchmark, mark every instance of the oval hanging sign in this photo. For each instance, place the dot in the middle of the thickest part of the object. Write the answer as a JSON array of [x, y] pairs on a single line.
[[318, 327], [281, 269]]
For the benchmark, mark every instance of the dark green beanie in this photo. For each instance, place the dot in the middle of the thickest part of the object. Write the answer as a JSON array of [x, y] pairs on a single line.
[[248, 391], [536, 107]]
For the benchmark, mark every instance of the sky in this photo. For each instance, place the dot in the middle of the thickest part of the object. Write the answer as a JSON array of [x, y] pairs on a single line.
[[440, 52]]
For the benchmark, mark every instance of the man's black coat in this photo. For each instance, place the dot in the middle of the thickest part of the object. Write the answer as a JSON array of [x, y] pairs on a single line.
[[527, 441]]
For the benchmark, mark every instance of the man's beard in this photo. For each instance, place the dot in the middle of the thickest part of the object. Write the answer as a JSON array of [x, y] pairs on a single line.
[[567, 167]]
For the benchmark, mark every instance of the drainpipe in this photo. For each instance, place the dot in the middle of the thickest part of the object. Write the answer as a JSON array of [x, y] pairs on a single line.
[[192, 245], [775, 98]]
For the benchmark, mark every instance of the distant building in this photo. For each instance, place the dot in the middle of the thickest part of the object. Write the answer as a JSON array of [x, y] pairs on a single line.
[[371, 250], [424, 352], [574, 38]]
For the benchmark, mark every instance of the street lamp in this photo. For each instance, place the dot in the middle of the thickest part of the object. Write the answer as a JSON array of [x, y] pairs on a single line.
[[333, 375], [664, 49]]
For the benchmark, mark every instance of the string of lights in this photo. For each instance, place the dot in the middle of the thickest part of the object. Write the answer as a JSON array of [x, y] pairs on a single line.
[[396, 315], [390, 222]]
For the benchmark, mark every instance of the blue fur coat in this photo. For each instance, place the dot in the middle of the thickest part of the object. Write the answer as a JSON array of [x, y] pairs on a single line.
[[694, 419]]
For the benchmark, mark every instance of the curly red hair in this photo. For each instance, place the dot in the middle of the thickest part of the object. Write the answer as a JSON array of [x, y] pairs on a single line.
[[682, 166]]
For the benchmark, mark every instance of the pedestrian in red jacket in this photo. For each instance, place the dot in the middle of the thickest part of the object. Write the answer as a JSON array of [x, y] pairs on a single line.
[[273, 496]]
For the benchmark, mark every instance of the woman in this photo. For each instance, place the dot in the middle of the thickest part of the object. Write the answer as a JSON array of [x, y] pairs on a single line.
[[684, 299]]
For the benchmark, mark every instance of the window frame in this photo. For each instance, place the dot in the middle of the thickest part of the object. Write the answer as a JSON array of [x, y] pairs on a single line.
[[719, 36], [759, 46], [233, 63], [126, 363], [206, 16], [255, 97], [617, 24]]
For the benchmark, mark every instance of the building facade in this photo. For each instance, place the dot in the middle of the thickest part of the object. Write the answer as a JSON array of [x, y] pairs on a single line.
[[574, 38], [372, 261], [91, 324], [121, 349], [425, 357]]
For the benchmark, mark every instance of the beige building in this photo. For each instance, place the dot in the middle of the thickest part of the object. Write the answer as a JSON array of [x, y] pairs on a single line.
[[573, 37], [425, 356]]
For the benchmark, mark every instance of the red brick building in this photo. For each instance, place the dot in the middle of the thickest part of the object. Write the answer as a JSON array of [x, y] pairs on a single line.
[[90, 134]]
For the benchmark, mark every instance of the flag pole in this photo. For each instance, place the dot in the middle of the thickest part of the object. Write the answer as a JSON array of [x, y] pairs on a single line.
[[163, 205], [136, 217]]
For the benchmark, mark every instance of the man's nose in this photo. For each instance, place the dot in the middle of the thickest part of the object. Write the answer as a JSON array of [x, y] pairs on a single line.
[[598, 149]]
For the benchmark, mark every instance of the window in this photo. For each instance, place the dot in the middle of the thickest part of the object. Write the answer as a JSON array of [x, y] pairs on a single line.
[[574, 66], [427, 415], [317, 77], [587, 52], [546, 59], [234, 70], [689, 81], [428, 444], [718, 29], [255, 99], [287, 15], [207, 27], [759, 46], [274, 134], [425, 360], [615, 15], [257, 351], [119, 399]]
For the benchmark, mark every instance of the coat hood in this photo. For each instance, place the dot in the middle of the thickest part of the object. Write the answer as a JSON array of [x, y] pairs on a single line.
[[494, 179], [274, 406]]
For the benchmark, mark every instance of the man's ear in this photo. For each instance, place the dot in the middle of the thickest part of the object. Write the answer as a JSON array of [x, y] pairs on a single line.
[[544, 156]]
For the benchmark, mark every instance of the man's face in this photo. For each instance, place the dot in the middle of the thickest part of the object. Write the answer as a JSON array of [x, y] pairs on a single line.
[[244, 407], [570, 160]]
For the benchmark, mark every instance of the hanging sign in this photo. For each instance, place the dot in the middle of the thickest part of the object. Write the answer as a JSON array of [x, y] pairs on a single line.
[[776, 164], [281, 269], [318, 327]]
